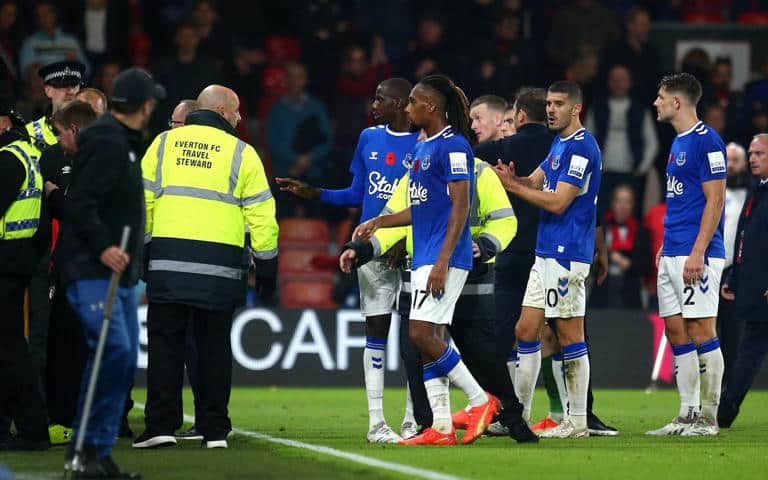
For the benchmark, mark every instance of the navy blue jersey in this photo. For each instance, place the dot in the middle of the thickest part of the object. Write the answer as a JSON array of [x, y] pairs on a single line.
[[382, 158], [438, 160], [571, 236], [696, 156]]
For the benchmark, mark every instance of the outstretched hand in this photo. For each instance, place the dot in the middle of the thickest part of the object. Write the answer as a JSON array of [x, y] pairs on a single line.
[[347, 260], [365, 230], [506, 173], [298, 188]]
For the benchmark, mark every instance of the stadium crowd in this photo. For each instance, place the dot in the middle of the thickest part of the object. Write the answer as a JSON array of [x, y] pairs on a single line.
[[302, 81]]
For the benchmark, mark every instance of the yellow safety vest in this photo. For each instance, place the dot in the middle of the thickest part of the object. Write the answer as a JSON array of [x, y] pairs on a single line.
[[23, 216], [42, 131], [202, 187]]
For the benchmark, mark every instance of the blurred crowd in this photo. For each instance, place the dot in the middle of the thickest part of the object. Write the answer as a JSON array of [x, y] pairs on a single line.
[[305, 72]]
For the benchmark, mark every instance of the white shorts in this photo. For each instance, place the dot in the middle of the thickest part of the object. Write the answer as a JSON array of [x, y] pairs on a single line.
[[693, 301], [379, 288], [557, 290], [428, 308]]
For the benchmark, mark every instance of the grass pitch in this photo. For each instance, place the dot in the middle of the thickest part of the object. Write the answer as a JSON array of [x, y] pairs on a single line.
[[337, 418]]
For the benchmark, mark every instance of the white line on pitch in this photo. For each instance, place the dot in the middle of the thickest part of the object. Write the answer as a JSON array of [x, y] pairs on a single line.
[[352, 457]]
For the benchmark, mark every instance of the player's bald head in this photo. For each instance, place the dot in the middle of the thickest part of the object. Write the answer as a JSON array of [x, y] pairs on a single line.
[[398, 88]]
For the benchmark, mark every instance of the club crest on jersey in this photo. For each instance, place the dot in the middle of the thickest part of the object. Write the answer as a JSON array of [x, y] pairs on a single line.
[[374, 156], [680, 160], [426, 162], [408, 161], [390, 158], [554, 161]]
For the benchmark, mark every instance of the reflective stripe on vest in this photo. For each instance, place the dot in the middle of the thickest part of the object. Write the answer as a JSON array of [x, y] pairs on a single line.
[[41, 130], [22, 218], [196, 268]]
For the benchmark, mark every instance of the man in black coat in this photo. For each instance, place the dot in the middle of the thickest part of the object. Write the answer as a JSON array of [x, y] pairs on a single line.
[[106, 194], [748, 281]]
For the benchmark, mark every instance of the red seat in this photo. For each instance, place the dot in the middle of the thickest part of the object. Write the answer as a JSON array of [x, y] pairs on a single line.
[[754, 18], [307, 294], [299, 262], [303, 232]]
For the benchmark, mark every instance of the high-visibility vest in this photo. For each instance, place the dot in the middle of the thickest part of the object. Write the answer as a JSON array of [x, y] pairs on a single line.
[[23, 216], [42, 131], [202, 188]]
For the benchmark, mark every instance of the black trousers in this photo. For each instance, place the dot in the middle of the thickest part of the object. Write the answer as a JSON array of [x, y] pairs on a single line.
[[475, 337], [752, 351], [167, 325], [729, 330], [20, 396], [511, 278]]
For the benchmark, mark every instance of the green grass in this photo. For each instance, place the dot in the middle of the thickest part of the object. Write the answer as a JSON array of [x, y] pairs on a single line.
[[337, 418]]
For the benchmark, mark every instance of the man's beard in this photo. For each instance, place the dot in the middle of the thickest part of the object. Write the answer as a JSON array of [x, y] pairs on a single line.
[[736, 181]]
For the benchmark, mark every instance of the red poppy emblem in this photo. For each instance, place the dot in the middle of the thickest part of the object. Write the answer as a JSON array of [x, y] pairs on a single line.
[[390, 159]]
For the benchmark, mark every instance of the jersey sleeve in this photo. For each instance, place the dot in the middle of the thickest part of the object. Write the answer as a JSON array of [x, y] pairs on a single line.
[[457, 156], [712, 163], [576, 164]]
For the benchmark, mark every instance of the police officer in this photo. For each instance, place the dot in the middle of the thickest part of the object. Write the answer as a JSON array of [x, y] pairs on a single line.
[[21, 186], [62, 81], [493, 225], [203, 186], [106, 194]]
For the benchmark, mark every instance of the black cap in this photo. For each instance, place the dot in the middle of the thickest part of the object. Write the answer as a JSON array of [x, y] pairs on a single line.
[[62, 74], [135, 86]]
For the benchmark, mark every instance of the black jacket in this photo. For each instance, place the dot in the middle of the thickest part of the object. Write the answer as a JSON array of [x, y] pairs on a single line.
[[749, 274], [527, 149], [106, 193]]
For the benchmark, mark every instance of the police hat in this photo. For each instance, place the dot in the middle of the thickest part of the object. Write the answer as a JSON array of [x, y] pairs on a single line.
[[135, 86], [62, 74]]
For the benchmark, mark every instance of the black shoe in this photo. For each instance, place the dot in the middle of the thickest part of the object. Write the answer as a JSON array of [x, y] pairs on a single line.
[[598, 428], [93, 466], [521, 432], [726, 416], [191, 434], [154, 440]]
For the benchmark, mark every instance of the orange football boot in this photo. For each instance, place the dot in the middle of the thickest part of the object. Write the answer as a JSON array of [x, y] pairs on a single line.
[[479, 419], [430, 436]]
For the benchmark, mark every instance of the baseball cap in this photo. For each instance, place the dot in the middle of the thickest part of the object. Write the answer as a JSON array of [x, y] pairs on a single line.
[[134, 86], [62, 74]]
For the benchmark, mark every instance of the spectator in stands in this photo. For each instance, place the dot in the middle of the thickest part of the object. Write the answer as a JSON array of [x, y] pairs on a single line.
[[582, 69], [629, 254], [357, 79], [298, 135], [33, 103], [10, 43], [106, 75], [698, 63], [185, 74], [634, 52], [730, 102], [585, 24], [102, 27], [714, 116], [49, 44], [757, 89], [626, 132], [430, 52], [216, 40], [737, 184]]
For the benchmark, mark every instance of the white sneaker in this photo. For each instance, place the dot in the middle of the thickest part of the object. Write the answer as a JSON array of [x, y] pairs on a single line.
[[565, 430], [702, 427], [678, 426], [408, 430], [215, 444], [496, 429], [381, 433]]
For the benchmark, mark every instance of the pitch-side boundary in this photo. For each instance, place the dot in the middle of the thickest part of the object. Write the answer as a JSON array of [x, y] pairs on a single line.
[[332, 452]]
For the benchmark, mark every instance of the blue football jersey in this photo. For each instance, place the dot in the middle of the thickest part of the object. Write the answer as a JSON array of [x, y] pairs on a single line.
[[571, 236], [382, 157], [696, 156], [442, 158]]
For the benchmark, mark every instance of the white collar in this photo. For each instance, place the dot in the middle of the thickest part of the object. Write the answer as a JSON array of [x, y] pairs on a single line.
[[572, 135], [689, 130], [396, 134], [437, 134]]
